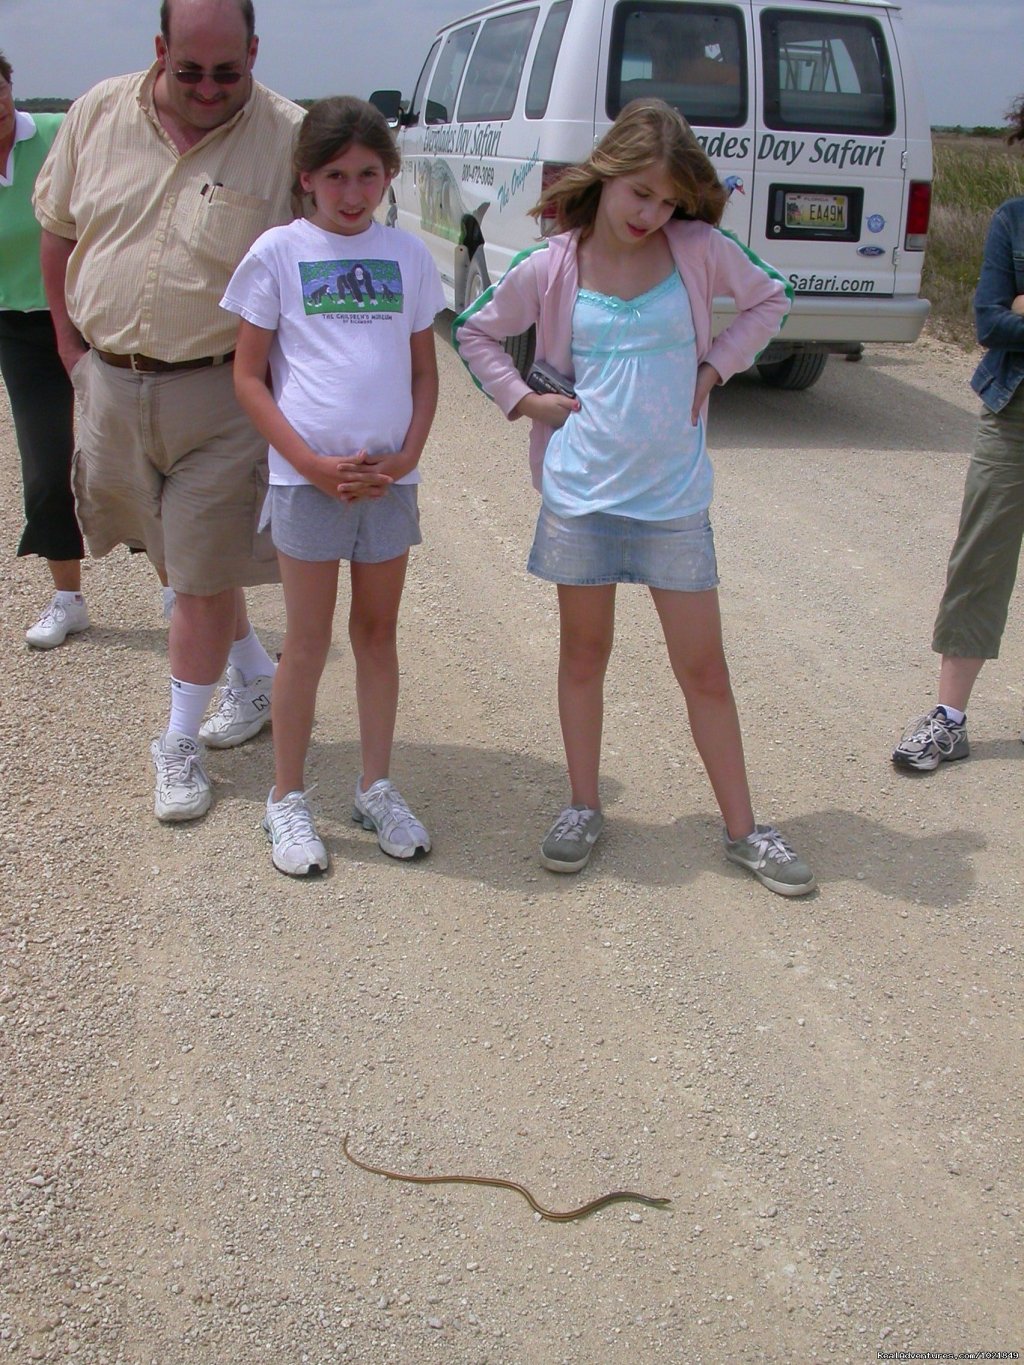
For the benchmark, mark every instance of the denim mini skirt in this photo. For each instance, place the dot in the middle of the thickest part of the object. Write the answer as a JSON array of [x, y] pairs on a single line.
[[677, 555]]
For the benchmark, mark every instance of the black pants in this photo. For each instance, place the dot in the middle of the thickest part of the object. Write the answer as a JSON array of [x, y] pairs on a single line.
[[43, 404]]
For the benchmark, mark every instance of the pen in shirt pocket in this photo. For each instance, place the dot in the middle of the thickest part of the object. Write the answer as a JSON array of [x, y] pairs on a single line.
[[209, 190]]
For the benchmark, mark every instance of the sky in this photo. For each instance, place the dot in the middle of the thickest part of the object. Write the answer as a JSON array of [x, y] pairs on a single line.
[[969, 52]]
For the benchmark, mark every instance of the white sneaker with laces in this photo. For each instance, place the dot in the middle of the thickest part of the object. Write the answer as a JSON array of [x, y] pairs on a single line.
[[383, 808], [182, 788], [61, 618], [296, 846], [242, 710]]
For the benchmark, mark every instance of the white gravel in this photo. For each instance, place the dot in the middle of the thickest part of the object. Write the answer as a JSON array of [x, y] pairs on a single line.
[[828, 1089]]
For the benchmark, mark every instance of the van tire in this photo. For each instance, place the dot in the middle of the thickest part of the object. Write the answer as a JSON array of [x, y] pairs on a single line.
[[521, 348], [477, 278], [797, 371]]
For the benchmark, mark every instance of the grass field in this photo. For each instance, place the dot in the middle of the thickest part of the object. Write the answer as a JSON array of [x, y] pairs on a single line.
[[973, 175]]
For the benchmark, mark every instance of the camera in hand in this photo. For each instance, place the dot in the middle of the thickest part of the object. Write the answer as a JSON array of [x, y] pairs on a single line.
[[543, 379]]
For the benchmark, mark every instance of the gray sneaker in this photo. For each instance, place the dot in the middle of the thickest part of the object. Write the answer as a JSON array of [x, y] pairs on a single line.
[[182, 788], [930, 740], [383, 808], [767, 855], [571, 839]]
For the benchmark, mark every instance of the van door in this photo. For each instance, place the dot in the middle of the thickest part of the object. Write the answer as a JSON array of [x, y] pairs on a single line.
[[830, 151], [425, 205], [700, 59], [405, 211]]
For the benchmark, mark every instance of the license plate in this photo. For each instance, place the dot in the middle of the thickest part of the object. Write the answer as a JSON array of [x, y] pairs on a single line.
[[817, 212]]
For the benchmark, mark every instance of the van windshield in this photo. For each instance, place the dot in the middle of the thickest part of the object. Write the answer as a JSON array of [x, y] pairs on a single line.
[[826, 72], [691, 56]]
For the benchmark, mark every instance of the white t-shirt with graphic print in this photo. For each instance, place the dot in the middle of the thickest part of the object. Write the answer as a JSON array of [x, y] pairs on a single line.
[[343, 310]]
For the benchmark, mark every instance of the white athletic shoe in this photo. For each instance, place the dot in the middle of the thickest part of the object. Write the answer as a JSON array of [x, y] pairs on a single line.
[[383, 808], [182, 787], [58, 621], [297, 849], [242, 711]]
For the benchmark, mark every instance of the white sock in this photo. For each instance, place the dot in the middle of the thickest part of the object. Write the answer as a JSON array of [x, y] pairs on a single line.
[[250, 658], [188, 706], [68, 599], [957, 717]]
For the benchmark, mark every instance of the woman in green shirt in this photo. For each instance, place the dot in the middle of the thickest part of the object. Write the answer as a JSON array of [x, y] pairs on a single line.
[[39, 390]]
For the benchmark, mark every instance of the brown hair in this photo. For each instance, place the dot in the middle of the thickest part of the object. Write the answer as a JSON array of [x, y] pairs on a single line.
[[245, 9], [1015, 117], [648, 131], [330, 127], [6, 70]]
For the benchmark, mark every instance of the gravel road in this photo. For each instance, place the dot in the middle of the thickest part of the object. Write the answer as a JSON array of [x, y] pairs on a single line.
[[827, 1089]]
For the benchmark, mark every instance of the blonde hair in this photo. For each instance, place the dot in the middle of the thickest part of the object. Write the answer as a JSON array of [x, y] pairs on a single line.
[[647, 132]]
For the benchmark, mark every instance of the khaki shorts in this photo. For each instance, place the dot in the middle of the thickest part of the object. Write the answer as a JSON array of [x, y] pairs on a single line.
[[170, 464]]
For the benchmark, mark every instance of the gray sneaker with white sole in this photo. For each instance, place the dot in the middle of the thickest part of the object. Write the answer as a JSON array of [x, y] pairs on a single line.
[[570, 840]]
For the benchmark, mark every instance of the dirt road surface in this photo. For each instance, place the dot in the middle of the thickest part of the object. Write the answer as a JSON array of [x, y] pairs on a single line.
[[827, 1089]]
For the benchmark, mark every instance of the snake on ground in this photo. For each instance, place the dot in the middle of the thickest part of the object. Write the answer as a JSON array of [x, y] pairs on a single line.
[[556, 1215]]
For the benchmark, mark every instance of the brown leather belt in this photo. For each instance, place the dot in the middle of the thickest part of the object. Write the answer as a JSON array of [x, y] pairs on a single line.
[[144, 364]]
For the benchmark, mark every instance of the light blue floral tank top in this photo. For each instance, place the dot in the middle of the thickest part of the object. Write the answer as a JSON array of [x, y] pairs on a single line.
[[631, 449]]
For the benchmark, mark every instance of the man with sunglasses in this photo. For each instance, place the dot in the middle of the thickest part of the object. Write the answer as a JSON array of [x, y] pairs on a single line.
[[154, 190]]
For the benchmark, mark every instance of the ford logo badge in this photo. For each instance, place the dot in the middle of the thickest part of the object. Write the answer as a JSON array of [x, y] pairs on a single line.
[[870, 251]]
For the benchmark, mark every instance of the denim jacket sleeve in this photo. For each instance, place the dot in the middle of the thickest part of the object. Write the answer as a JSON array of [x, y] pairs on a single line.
[[1001, 369], [1001, 280]]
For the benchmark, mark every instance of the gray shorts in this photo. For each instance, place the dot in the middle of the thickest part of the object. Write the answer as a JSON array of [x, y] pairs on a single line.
[[307, 524]]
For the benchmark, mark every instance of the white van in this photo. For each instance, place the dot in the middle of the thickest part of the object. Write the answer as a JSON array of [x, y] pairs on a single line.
[[810, 111]]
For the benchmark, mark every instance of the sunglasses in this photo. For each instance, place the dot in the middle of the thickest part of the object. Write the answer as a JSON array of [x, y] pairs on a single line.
[[190, 76]]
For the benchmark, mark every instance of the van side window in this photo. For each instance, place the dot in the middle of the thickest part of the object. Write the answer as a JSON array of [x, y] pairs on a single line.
[[539, 90], [496, 68], [450, 66], [692, 56], [827, 73], [416, 103]]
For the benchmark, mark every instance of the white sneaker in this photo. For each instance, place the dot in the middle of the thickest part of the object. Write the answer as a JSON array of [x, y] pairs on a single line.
[[58, 621], [182, 787], [383, 808], [297, 849], [242, 711]]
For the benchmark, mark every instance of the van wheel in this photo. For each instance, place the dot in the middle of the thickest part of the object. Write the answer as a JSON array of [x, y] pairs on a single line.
[[797, 371], [477, 278], [521, 349]]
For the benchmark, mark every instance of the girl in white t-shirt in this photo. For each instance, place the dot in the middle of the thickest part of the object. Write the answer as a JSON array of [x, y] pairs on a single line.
[[341, 310]]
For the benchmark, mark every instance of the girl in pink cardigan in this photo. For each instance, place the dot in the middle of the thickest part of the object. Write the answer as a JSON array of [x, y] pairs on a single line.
[[621, 300]]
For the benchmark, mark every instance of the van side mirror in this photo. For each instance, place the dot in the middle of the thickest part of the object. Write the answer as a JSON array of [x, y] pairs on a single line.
[[389, 102]]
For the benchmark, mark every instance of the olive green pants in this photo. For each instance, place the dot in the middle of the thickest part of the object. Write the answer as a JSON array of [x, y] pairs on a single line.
[[983, 563]]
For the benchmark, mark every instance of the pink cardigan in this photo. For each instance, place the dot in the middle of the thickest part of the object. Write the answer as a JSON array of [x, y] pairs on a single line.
[[539, 288]]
